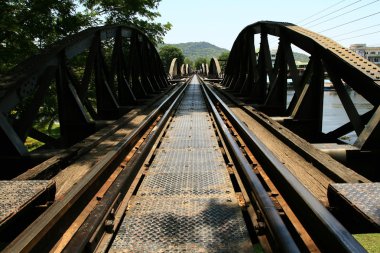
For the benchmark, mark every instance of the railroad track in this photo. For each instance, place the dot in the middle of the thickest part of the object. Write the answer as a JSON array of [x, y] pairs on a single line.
[[266, 204]]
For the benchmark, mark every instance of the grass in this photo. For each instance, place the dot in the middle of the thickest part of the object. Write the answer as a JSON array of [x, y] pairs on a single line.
[[371, 242], [33, 144]]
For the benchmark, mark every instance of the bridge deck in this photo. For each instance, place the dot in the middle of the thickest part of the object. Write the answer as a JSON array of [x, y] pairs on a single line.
[[300, 157], [186, 201]]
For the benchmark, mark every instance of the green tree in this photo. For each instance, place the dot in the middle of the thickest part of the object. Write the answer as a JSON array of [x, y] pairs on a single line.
[[199, 61], [140, 13], [223, 58], [168, 53], [26, 26], [189, 61]]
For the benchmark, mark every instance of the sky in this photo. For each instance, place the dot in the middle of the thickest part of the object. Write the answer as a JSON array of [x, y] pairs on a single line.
[[220, 21]]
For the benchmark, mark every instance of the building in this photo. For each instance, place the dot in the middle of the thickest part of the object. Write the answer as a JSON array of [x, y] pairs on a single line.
[[372, 54]]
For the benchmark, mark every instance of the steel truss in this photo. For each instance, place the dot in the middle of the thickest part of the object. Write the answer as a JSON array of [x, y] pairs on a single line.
[[120, 68], [252, 76]]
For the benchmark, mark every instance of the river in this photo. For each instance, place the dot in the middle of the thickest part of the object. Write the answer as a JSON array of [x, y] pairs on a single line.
[[334, 114]]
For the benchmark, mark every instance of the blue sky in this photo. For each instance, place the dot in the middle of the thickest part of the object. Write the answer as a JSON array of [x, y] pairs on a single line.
[[220, 21]]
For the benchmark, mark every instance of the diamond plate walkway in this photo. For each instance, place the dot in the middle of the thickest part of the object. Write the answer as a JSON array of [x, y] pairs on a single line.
[[186, 203]]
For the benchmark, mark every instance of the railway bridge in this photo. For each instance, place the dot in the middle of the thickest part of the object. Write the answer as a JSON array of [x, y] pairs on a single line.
[[210, 160]]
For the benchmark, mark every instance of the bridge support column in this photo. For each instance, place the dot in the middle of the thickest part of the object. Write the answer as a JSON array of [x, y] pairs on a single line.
[[107, 106], [135, 68], [10, 142], [307, 105], [119, 66], [74, 122], [370, 136], [275, 103]]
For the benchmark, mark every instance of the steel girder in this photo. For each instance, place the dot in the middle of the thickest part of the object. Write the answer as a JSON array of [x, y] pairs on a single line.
[[185, 69], [214, 71], [252, 75], [174, 69], [132, 70], [204, 69]]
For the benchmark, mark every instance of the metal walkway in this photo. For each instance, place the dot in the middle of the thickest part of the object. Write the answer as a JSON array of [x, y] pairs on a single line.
[[186, 201]]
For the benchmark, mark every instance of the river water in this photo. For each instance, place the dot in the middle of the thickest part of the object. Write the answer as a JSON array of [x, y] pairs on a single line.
[[334, 114]]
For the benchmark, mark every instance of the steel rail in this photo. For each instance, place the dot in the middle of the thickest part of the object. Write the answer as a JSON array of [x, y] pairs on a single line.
[[336, 176], [44, 224], [324, 228], [119, 187], [278, 230]]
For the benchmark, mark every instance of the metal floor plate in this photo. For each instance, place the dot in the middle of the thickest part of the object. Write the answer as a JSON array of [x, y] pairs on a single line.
[[199, 122], [364, 196], [179, 157], [186, 168], [185, 184], [15, 195], [186, 202], [183, 225], [187, 143]]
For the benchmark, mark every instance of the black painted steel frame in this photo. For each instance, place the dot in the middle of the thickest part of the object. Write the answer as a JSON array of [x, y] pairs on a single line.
[[133, 71], [215, 70], [251, 75]]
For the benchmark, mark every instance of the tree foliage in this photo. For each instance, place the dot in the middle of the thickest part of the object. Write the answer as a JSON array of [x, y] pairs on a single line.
[[189, 61], [193, 50], [199, 61], [223, 58], [168, 53], [29, 25], [141, 13], [26, 26]]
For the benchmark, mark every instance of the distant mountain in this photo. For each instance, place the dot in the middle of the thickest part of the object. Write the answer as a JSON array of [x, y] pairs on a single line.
[[301, 57], [194, 50]]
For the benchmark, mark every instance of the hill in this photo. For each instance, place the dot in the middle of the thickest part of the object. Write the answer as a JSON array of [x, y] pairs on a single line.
[[194, 50], [298, 57], [301, 57]]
